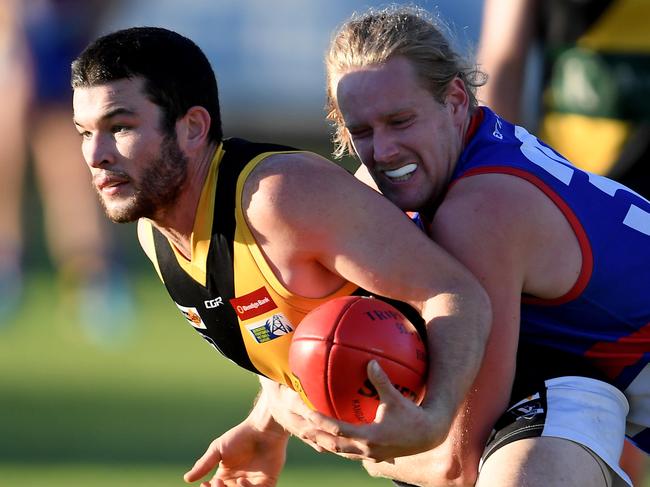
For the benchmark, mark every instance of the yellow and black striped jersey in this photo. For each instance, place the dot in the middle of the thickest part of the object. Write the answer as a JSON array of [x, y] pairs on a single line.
[[227, 291]]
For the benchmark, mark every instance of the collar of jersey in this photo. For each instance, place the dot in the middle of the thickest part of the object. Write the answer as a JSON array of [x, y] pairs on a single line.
[[202, 230]]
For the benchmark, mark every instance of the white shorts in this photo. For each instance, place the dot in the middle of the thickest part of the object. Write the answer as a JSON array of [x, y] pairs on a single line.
[[586, 411]]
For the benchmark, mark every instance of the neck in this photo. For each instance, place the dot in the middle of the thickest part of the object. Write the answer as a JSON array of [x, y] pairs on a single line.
[[466, 132], [177, 221], [471, 124]]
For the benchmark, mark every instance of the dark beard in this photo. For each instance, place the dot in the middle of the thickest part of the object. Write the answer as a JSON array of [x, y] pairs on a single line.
[[159, 187]]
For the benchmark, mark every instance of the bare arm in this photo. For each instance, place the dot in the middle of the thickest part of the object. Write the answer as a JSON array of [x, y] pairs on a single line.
[[506, 35], [456, 461], [525, 245], [323, 228]]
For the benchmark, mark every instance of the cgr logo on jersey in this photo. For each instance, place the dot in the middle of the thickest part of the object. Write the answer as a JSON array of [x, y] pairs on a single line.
[[213, 303], [271, 328], [192, 316]]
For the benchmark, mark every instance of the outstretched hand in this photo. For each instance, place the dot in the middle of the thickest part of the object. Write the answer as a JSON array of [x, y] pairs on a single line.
[[244, 456], [400, 427]]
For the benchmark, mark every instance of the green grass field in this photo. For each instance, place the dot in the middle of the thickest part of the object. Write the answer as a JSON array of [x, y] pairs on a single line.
[[74, 414]]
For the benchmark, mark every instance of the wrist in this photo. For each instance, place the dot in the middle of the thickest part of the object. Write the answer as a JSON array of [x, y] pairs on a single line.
[[440, 417], [261, 417]]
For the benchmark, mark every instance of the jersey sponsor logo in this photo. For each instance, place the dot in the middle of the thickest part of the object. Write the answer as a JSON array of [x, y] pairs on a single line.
[[498, 126], [527, 408], [270, 328], [253, 304], [213, 303], [192, 316]]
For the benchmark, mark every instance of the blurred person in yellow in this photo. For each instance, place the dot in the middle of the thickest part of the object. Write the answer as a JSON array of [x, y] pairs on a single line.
[[595, 78], [38, 40], [595, 87]]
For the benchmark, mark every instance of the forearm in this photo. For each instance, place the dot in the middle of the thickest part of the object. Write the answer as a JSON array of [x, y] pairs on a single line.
[[506, 36], [455, 462], [457, 332]]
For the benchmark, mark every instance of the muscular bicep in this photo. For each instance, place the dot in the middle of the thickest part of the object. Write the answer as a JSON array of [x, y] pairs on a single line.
[[318, 227]]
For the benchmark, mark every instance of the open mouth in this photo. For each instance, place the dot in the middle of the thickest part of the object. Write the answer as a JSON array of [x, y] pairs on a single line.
[[401, 173]]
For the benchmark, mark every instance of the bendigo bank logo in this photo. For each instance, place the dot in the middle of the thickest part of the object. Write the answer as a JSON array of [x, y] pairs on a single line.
[[253, 304]]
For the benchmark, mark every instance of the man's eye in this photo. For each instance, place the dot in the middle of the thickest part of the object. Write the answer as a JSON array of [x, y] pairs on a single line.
[[357, 134], [401, 121]]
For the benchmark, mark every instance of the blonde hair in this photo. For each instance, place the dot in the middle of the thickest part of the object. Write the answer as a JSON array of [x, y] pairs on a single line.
[[376, 36]]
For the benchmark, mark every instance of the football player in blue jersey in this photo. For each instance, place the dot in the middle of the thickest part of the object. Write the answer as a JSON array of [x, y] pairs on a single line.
[[589, 91], [563, 254]]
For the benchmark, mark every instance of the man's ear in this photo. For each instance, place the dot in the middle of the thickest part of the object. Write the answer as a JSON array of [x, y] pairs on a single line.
[[457, 99], [192, 129]]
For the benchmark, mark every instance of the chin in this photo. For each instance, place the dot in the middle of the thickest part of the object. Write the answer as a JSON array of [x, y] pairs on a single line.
[[127, 213], [121, 217]]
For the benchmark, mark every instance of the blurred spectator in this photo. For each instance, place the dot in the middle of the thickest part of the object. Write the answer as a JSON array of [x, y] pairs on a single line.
[[38, 40], [595, 78], [595, 88]]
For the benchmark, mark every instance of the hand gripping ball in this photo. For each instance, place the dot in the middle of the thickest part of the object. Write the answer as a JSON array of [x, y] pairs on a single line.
[[332, 346]]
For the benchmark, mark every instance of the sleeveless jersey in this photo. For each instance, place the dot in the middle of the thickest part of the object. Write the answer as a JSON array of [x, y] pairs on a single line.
[[605, 318], [228, 292]]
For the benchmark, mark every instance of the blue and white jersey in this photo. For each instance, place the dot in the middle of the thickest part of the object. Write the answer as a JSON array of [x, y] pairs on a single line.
[[605, 318]]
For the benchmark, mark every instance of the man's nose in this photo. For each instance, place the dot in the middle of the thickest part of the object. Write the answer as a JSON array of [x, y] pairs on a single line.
[[385, 147], [97, 152]]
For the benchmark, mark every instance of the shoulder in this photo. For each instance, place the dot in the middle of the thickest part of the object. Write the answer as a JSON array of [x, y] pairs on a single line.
[[285, 183], [499, 224], [498, 201], [291, 168], [487, 208], [307, 202]]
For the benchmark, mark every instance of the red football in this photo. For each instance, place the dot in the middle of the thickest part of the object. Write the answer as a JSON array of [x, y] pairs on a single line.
[[332, 346]]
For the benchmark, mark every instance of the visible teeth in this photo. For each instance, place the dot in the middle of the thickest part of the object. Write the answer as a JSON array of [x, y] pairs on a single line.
[[401, 171]]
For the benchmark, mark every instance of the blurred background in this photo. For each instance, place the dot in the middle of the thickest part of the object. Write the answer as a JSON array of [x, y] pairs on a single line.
[[102, 382]]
